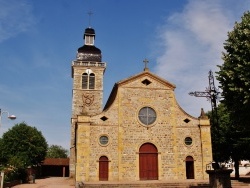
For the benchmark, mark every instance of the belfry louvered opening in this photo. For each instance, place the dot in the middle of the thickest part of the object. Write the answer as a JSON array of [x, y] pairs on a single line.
[[88, 81]]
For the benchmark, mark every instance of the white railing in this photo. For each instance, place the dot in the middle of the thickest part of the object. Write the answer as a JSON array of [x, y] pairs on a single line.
[[89, 64]]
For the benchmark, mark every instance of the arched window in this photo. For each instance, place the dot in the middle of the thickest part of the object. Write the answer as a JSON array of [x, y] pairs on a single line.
[[92, 81], [88, 81], [84, 81]]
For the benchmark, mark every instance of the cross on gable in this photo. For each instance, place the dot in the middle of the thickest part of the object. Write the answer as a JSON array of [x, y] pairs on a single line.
[[146, 62]]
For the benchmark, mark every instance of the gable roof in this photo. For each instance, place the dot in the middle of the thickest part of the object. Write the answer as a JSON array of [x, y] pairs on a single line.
[[56, 162], [149, 74], [132, 78]]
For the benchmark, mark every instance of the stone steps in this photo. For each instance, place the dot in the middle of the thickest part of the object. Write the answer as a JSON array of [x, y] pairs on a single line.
[[148, 185], [244, 181], [241, 184], [234, 183]]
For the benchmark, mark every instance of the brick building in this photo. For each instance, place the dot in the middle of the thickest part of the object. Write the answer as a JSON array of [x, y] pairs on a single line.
[[140, 134]]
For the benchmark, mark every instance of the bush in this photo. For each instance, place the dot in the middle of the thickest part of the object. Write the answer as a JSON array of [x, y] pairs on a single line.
[[12, 173]]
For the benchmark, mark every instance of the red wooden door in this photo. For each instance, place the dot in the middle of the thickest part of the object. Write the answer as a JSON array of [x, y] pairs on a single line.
[[103, 168], [189, 167], [148, 162]]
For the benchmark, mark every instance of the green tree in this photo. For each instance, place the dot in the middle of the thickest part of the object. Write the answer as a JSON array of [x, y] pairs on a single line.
[[234, 79], [219, 134], [228, 141], [234, 73], [55, 151], [23, 146]]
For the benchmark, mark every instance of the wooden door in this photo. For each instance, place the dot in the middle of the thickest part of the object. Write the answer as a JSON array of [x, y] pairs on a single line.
[[189, 167], [103, 168], [148, 162]]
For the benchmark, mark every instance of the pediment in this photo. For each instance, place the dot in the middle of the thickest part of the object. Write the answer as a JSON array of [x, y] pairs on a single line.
[[146, 79]]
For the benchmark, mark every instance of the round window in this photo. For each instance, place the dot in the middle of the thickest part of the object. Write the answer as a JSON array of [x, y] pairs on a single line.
[[104, 140], [147, 115], [188, 141]]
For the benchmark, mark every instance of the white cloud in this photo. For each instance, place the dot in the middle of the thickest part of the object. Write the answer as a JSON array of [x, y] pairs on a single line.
[[191, 45], [15, 17]]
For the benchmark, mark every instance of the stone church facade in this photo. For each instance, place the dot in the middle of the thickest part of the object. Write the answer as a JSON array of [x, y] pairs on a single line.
[[140, 134]]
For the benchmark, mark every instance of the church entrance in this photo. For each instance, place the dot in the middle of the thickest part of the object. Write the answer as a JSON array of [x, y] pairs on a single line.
[[148, 162], [103, 168], [189, 167]]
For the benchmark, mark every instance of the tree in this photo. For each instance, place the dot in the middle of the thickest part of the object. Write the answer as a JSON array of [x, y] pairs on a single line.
[[219, 133], [56, 151], [234, 79], [23, 146], [234, 73], [228, 141]]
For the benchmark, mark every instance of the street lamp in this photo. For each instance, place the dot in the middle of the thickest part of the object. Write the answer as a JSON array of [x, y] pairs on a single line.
[[12, 117]]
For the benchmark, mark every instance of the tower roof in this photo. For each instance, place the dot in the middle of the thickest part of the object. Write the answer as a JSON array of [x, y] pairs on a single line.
[[89, 49], [88, 52], [89, 31]]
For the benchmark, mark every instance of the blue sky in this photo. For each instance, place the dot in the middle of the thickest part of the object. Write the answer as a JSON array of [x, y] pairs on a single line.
[[182, 39]]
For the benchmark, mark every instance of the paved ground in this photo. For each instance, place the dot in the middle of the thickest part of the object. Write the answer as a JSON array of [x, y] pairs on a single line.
[[65, 182], [51, 182]]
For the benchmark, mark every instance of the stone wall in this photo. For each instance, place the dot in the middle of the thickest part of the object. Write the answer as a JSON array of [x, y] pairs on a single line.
[[84, 101], [126, 134]]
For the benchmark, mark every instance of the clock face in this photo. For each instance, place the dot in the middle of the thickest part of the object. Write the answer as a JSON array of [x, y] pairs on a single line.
[[147, 115]]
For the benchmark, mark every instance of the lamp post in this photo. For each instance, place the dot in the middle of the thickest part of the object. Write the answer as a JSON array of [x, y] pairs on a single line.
[[12, 117]]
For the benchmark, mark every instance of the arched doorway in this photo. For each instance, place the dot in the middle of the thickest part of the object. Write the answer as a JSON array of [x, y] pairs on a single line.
[[189, 167], [103, 168], [148, 162]]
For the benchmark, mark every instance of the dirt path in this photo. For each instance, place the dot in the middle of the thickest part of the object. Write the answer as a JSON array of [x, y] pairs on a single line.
[[51, 182]]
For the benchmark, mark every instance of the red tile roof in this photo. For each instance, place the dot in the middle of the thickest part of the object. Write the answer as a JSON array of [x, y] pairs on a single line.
[[56, 161]]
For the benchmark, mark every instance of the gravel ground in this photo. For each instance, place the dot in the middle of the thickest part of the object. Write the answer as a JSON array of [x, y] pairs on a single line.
[[51, 182]]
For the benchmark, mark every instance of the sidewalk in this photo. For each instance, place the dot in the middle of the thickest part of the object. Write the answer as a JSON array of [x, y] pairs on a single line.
[[50, 182]]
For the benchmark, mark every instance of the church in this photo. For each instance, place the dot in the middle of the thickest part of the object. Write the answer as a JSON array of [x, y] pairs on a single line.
[[141, 133]]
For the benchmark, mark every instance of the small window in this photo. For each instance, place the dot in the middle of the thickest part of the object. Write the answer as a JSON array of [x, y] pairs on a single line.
[[104, 118], [103, 140], [186, 120], [188, 141], [146, 82]]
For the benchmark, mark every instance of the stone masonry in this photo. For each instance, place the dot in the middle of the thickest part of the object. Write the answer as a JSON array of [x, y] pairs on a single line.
[[141, 133], [120, 123]]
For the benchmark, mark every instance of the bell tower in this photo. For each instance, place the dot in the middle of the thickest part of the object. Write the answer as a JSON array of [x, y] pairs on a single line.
[[87, 73], [87, 94]]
